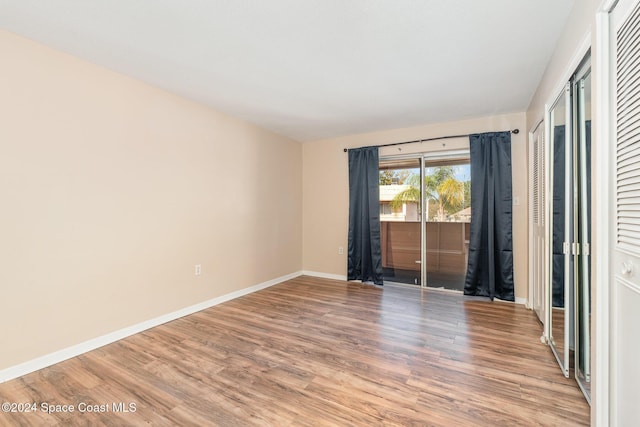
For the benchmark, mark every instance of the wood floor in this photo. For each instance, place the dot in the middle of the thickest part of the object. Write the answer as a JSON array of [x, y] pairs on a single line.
[[317, 352]]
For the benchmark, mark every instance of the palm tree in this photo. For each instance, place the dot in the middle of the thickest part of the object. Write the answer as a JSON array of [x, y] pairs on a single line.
[[450, 195], [441, 186], [409, 194]]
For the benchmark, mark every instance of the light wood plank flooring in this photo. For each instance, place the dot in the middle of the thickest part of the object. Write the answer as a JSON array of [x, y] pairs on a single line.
[[318, 352]]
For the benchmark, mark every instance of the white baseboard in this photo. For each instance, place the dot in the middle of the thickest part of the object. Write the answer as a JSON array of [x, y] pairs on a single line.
[[78, 349], [324, 275]]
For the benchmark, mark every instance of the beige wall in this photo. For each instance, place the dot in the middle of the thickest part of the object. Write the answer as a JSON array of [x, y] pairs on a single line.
[[112, 190], [578, 33], [325, 187]]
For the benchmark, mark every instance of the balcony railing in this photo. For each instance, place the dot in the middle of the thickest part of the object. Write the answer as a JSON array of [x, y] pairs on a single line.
[[447, 248]]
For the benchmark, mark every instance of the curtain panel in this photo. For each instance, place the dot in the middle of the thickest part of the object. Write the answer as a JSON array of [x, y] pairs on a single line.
[[490, 266], [364, 250]]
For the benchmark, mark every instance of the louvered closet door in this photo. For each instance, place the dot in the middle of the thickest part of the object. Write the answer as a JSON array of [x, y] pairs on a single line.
[[625, 267], [538, 231]]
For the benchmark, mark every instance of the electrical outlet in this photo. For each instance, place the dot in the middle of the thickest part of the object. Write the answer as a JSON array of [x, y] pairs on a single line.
[[340, 250], [198, 269]]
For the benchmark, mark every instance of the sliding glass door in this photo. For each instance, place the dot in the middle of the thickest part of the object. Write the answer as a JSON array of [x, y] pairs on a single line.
[[561, 262], [427, 249], [401, 220], [448, 215], [582, 229], [569, 285]]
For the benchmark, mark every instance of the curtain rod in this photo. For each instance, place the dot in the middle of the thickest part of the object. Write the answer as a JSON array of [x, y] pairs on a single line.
[[515, 132]]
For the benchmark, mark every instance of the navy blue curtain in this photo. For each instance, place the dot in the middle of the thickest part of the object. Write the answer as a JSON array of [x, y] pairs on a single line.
[[364, 251], [490, 267]]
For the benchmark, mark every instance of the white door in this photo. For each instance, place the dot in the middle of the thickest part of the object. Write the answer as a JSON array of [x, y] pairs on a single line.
[[625, 227], [537, 233]]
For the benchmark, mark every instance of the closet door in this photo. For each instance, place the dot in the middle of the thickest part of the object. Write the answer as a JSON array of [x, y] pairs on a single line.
[[625, 256], [582, 229], [537, 231], [560, 286]]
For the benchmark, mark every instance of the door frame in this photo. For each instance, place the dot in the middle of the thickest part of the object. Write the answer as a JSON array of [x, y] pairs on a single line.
[[601, 236]]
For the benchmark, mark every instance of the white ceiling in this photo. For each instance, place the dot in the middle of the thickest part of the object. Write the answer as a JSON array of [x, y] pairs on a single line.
[[311, 69]]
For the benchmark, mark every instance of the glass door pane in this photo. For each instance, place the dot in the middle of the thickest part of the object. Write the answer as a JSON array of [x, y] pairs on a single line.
[[447, 184], [583, 289], [400, 220], [561, 229]]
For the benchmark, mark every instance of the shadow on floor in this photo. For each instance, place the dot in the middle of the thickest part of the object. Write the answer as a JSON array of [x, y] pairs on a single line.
[[450, 281]]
